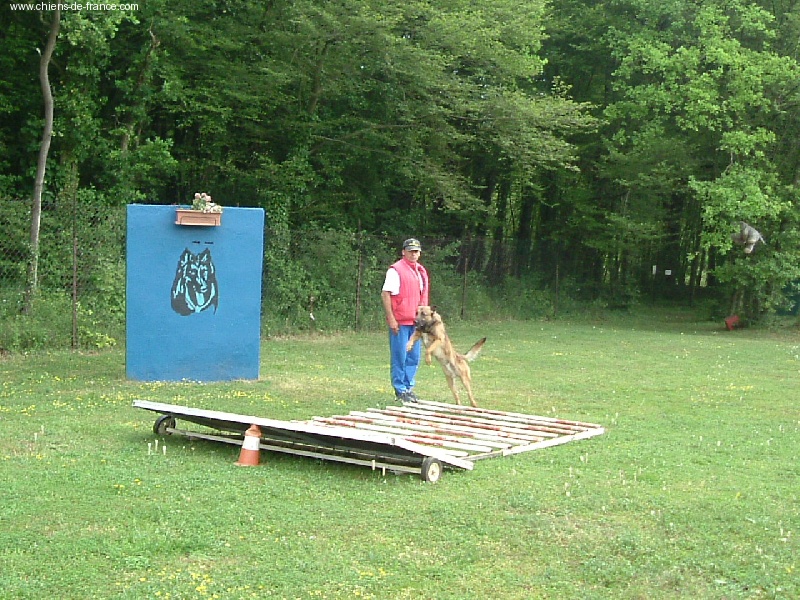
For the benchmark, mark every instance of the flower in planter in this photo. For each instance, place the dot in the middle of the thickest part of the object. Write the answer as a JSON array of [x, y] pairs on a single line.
[[203, 203]]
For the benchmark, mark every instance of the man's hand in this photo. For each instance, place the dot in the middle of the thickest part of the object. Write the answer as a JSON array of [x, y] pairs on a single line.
[[386, 300]]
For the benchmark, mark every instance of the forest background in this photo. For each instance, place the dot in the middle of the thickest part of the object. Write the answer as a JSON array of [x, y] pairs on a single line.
[[552, 156]]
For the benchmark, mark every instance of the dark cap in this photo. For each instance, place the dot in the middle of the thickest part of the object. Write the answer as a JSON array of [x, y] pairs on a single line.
[[412, 244]]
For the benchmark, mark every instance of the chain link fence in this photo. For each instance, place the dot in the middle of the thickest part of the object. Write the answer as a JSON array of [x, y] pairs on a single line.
[[79, 296], [315, 279], [327, 280]]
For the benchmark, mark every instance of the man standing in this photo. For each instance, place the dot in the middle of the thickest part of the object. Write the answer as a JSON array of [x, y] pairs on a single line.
[[404, 289]]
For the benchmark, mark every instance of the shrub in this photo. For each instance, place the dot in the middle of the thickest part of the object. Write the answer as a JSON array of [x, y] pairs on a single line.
[[49, 325]]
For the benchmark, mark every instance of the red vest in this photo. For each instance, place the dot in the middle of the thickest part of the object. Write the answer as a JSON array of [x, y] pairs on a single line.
[[404, 304]]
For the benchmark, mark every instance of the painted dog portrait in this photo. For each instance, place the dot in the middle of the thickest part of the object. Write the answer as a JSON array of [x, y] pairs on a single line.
[[195, 286]]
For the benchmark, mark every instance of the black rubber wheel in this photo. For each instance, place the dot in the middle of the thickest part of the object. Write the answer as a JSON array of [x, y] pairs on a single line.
[[431, 469], [161, 424]]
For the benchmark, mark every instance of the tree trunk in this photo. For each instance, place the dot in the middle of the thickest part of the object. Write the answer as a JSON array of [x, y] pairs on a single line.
[[44, 149], [130, 123], [496, 268], [524, 238]]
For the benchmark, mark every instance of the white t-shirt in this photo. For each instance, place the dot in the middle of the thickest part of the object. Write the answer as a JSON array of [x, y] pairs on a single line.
[[392, 282]]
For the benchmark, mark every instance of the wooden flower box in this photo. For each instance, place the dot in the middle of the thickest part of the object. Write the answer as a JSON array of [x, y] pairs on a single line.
[[195, 217]]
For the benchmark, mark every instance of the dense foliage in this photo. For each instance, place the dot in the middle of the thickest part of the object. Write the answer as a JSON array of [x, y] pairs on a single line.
[[609, 148]]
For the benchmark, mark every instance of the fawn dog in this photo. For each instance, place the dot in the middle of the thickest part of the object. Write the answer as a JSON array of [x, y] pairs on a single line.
[[430, 328]]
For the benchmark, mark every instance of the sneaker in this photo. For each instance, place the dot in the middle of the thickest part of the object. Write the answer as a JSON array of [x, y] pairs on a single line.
[[410, 396]]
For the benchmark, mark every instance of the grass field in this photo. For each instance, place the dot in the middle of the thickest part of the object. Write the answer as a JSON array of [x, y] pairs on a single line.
[[691, 493]]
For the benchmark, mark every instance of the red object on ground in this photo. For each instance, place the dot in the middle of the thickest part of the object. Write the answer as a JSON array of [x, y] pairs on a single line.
[[731, 322], [249, 455]]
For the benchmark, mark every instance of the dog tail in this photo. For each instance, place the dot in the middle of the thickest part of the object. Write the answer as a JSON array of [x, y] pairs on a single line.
[[475, 350]]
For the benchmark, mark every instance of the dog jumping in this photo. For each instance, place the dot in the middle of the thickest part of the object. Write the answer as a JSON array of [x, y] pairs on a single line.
[[430, 328]]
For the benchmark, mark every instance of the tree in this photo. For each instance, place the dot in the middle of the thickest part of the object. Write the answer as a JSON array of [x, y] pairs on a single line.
[[41, 166], [706, 82]]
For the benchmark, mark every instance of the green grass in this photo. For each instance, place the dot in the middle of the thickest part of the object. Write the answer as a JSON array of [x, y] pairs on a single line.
[[691, 493]]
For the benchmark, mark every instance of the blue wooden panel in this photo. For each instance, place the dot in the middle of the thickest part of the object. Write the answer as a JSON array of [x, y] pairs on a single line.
[[193, 296]]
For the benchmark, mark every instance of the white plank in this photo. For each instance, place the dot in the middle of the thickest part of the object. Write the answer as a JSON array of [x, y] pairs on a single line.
[[455, 435]]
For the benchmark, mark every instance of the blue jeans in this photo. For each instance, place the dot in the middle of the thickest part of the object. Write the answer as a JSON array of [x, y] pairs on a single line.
[[403, 364]]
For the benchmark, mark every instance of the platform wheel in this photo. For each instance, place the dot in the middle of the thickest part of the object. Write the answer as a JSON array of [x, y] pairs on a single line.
[[431, 469], [162, 423]]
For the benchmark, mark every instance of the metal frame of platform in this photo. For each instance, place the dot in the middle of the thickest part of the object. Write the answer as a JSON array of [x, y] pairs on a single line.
[[421, 437]]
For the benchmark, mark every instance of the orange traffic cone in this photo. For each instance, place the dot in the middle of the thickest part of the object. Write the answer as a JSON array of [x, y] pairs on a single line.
[[249, 455]]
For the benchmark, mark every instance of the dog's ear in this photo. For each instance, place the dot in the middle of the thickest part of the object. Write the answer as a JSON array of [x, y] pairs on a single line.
[[433, 310]]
